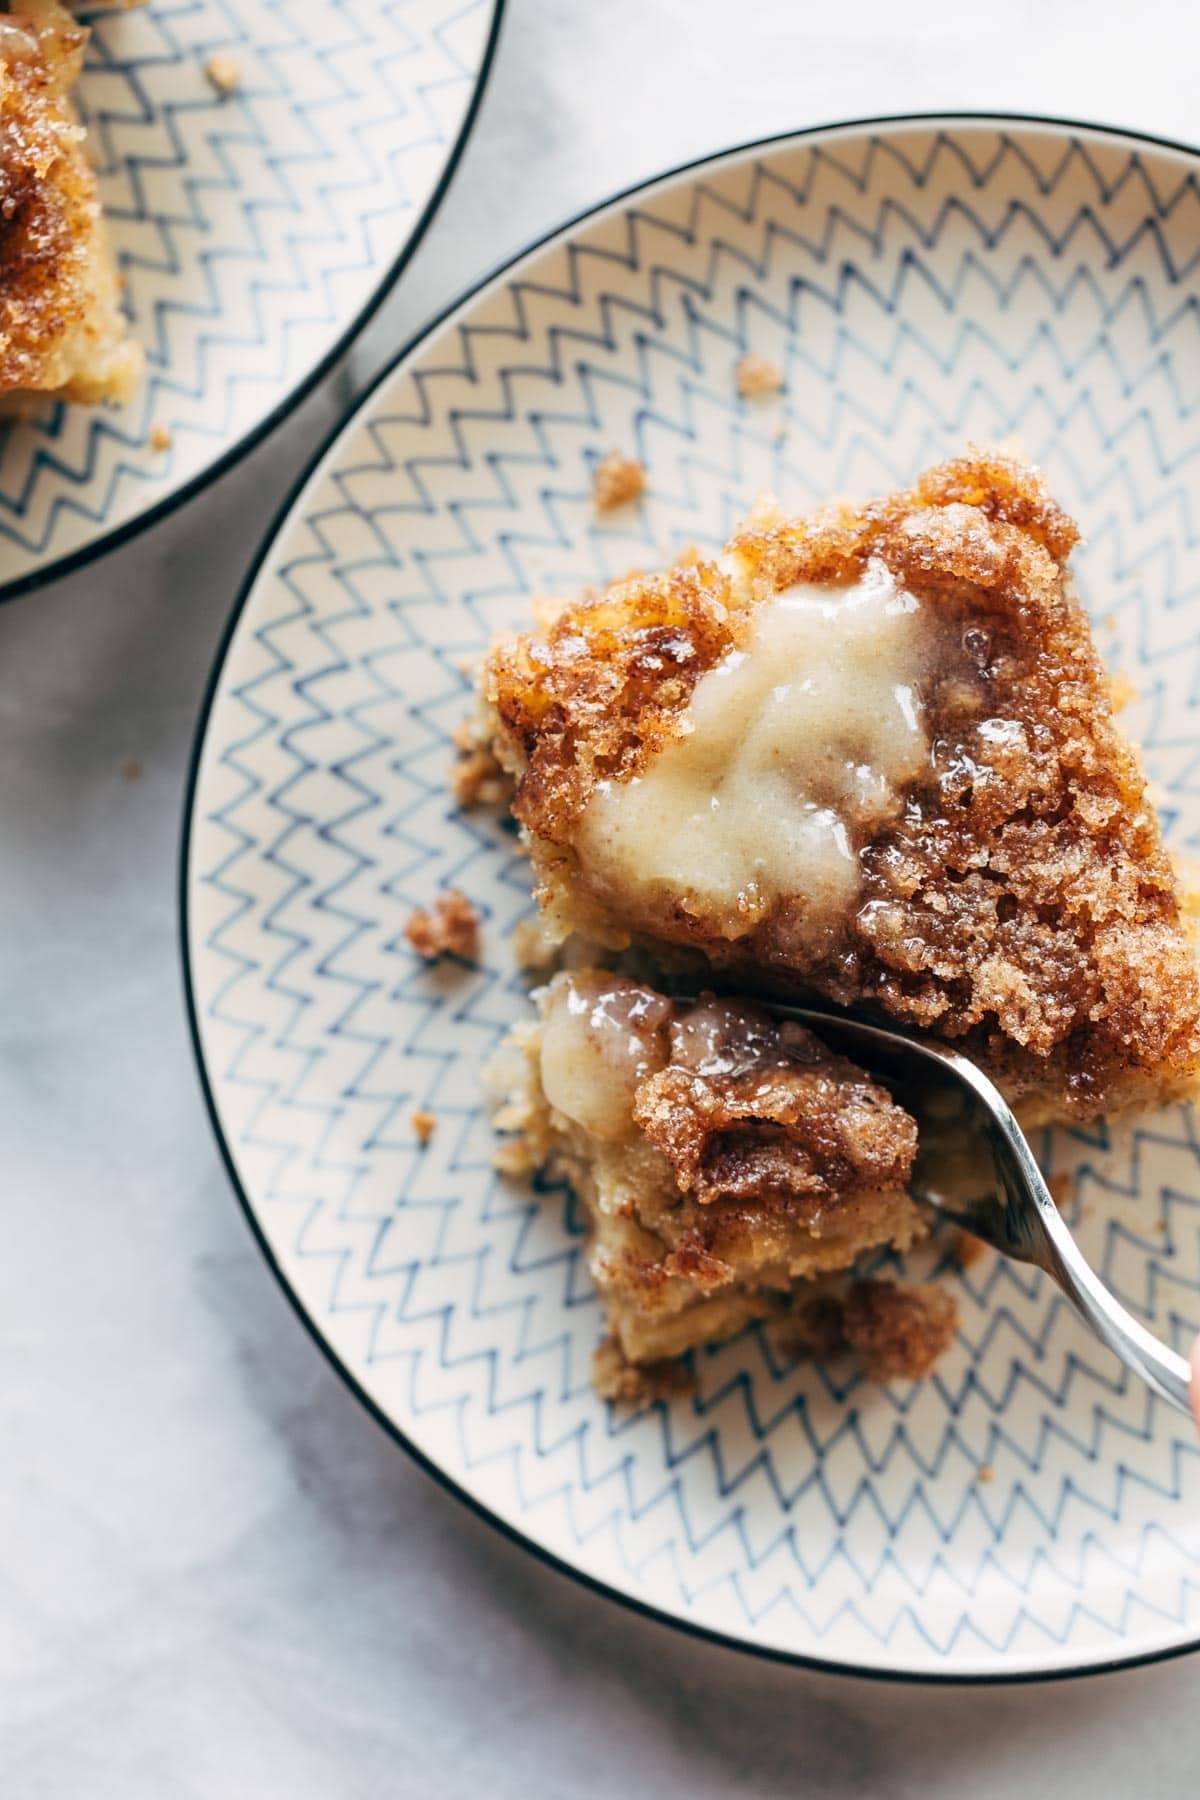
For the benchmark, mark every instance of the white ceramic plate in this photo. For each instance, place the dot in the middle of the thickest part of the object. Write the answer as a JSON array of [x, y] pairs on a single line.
[[255, 233], [922, 283]]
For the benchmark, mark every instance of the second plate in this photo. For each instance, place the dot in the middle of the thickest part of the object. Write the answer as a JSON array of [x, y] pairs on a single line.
[[254, 232]]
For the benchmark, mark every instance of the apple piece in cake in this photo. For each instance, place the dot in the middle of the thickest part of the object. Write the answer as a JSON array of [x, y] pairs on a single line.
[[61, 327], [870, 755], [725, 1158]]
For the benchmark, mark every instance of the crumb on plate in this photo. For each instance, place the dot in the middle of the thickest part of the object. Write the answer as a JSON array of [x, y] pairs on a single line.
[[449, 928], [812, 1330], [477, 778], [897, 1332], [617, 480], [1122, 690], [424, 1123], [614, 1378], [758, 377], [966, 1249], [223, 73], [1062, 1189]]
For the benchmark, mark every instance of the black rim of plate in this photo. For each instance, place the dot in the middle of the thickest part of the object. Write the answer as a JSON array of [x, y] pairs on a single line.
[[113, 539], [660, 1615]]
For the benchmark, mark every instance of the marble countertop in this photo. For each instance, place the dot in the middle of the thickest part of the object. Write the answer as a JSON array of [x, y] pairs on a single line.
[[217, 1576]]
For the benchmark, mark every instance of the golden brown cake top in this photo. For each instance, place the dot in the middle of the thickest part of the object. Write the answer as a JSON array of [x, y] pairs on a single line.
[[750, 1111], [753, 1109], [597, 692], [46, 195], [60, 323], [1018, 897]]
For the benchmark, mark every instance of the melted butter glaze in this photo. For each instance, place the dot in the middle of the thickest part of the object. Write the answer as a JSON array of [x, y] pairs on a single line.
[[792, 751], [602, 1036]]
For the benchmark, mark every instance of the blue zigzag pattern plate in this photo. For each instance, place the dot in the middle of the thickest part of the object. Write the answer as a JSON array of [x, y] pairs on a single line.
[[1027, 1510], [254, 232]]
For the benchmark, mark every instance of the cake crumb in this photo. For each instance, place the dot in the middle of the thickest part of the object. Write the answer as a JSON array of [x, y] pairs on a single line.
[[509, 1079], [532, 944], [449, 928], [223, 73], [1062, 1189], [765, 513], [131, 770], [160, 438], [477, 779], [1122, 690], [898, 1332], [515, 1156], [758, 377], [1187, 875], [545, 608], [617, 480], [614, 1377], [424, 1123], [812, 1330], [985, 1473], [966, 1249]]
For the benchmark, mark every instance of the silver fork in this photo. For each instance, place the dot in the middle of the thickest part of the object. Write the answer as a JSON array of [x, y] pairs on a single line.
[[1019, 1217]]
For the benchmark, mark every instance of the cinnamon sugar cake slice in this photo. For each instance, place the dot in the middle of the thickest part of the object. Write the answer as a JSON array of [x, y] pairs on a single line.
[[729, 1166], [868, 755], [62, 331]]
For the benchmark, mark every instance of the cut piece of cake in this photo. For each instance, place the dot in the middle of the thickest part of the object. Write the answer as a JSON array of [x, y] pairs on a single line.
[[725, 1158], [869, 755], [61, 327]]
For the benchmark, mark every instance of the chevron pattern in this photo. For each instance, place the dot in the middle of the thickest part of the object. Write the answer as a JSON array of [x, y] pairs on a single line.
[[251, 229], [920, 288]]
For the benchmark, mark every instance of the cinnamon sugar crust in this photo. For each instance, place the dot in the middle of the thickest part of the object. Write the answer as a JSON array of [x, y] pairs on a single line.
[[755, 1110], [722, 1157], [61, 327], [1020, 903], [898, 1332]]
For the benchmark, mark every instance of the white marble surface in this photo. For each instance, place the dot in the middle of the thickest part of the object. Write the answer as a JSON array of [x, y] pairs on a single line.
[[217, 1577]]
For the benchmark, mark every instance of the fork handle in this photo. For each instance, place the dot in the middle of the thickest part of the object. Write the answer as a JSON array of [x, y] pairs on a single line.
[[1160, 1367]]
